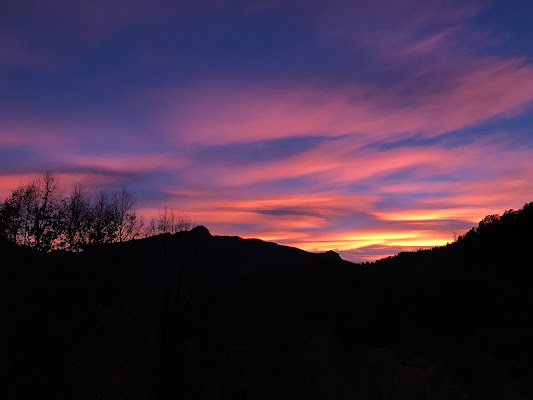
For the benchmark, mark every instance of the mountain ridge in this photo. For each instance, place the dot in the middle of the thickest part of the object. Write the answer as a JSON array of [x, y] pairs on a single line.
[[193, 315]]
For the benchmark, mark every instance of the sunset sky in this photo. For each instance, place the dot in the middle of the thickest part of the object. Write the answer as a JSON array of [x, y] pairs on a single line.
[[365, 127]]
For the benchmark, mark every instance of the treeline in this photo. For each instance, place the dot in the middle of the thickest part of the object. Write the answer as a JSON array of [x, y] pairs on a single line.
[[501, 234], [501, 230], [37, 214]]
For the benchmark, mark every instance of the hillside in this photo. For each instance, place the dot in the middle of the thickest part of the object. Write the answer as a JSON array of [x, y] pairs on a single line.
[[192, 315]]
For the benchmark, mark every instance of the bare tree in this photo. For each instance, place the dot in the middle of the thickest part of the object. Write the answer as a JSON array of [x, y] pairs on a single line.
[[47, 211], [77, 218], [11, 216], [24, 199], [114, 219], [133, 226], [183, 222], [171, 221], [33, 213], [102, 220], [163, 221], [129, 225], [150, 229], [37, 215], [123, 203]]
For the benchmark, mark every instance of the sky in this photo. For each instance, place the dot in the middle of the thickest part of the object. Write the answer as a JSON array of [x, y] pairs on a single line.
[[367, 128]]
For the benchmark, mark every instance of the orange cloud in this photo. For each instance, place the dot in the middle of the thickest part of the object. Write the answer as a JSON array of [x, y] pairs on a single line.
[[482, 181], [466, 214], [348, 240]]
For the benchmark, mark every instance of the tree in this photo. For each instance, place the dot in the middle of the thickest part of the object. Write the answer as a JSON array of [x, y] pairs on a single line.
[[489, 220], [163, 221], [113, 218], [102, 220], [170, 221], [151, 229], [32, 215], [9, 219], [37, 215], [128, 224], [20, 214], [183, 222], [47, 212], [77, 218]]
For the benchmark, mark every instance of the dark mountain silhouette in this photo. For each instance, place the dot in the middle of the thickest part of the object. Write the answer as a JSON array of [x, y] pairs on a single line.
[[195, 316]]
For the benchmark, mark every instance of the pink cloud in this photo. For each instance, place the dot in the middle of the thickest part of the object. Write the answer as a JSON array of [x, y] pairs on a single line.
[[485, 178], [448, 86], [8, 182], [482, 90], [297, 211], [342, 162], [458, 88]]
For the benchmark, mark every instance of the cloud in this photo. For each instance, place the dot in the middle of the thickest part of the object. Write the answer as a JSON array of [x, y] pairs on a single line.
[[230, 112], [423, 209], [142, 163], [324, 126], [8, 181], [432, 42]]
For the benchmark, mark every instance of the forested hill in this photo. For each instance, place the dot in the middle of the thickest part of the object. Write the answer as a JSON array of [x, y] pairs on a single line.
[[496, 238], [192, 315]]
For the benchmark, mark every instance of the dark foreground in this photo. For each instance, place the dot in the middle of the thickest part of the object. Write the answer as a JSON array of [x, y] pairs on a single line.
[[195, 316]]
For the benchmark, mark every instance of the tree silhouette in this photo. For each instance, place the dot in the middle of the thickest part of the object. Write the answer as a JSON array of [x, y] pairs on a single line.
[[47, 214], [10, 218], [102, 220], [129, 226], [170, 221], [36, 215], [32, 215], [77, 214]]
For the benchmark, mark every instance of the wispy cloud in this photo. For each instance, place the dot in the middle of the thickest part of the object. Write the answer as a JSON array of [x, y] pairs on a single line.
[[230, 112], [366, 128]]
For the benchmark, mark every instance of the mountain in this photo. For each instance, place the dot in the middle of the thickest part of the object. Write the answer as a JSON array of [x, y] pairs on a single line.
[[192, 315]]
